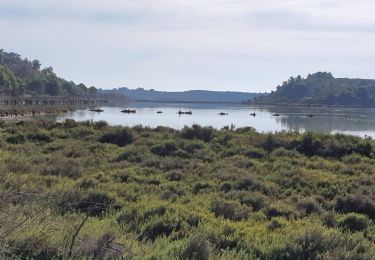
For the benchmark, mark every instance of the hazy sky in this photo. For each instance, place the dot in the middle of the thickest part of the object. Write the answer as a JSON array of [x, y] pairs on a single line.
[[244, 45]]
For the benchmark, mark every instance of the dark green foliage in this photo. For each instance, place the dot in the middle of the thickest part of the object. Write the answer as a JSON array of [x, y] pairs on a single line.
[[322, 88], [305, 246], [16, 139], [164, 196], [229, 210], [308, 206], [39, 137], [175, 176], [356, 203], [274, 224], [159, 227], [199, 187], [308, 145], [197, 248], [20, 76], [354, 222], [120, 137], [93, 203], [8, 81], [164, 149], [198, 132], [62, 168], [250, 184], [256, 201]]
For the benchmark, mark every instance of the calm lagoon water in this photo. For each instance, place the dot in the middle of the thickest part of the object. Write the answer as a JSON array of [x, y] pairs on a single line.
[[355, 121]]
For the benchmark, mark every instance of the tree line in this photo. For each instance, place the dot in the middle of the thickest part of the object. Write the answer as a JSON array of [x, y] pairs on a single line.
[[20, 76], [323, 88]]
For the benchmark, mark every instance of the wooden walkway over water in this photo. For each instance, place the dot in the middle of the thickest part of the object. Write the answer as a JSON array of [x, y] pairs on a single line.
[[57, 101]]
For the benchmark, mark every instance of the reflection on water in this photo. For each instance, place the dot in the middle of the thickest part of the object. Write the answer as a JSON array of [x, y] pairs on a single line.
[[356, 121]]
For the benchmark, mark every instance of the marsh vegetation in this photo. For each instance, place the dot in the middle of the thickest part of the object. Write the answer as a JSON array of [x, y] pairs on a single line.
[[94, 191]]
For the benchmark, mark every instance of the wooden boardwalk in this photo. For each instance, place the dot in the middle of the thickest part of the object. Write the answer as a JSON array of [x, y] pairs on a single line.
[[58, 101]]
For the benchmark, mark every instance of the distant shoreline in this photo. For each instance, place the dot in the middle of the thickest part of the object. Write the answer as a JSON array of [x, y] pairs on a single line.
[[186, 102], [309, 105]]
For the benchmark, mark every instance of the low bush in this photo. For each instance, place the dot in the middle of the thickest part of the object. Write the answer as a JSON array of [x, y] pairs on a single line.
[[198, 247], [62, 167], [353, 222], [308, 206], [164, 149], [198, 132], [120, 137], [93, 203], [356, 203], [229, 210]]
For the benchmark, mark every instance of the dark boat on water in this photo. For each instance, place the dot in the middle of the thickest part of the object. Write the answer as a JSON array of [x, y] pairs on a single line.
[[129, 111], [184, 112], [223, 114], [159, 112], [98, 110], [253, 114]]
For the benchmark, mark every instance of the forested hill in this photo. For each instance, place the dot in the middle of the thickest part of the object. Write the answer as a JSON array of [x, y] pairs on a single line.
[[185, 96], [20, 76], [322, 88]]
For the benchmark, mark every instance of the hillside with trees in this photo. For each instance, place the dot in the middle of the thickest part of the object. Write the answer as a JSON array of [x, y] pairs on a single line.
[[322, 88], [20, 76], [152, 95]]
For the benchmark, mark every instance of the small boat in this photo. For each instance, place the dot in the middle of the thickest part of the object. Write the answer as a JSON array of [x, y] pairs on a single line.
[[276, 114], [223, 114], [310, 115], [98, 110], [184, 112], [159, 112], [129, 111], [253, 114]]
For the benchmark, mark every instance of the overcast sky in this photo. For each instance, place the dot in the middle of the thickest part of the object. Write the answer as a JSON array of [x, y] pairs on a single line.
[[244, 45]]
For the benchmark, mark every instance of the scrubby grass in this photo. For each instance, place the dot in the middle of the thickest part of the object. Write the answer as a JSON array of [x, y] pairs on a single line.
[[89, 190]]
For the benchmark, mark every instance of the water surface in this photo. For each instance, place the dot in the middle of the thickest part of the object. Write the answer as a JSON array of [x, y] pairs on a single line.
[[355, 121]]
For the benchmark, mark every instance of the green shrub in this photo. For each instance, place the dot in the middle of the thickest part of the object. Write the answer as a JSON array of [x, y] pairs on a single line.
[[198, 247], [94, 203], [122, 177], [120, 137], [278, 210], [310, 245], [308, 206], [158, 227], [16, 139], [164, 149], [251, 184], [198, 132], [100, 125], [200, 186], [309, 146], [175, 175], [274, 224], [229, 210], [87, 183], [63, 168], [226, 187], [356, 203], [70, 123], [255, 153], [354, 222], [256, 201]]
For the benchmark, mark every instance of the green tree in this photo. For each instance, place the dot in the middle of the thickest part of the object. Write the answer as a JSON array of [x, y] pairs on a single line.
[[52, 87], [8, 82], [36, 86], [36, 65]]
